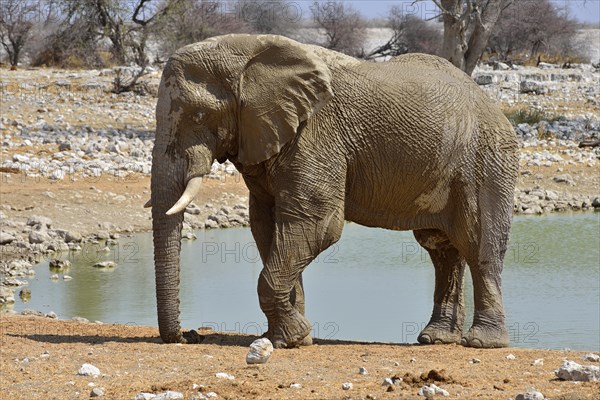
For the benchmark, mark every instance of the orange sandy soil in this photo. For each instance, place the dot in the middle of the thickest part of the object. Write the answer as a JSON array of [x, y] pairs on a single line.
[[133, 360]]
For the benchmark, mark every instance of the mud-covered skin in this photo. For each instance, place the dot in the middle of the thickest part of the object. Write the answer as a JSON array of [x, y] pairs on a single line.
[[320, 138]]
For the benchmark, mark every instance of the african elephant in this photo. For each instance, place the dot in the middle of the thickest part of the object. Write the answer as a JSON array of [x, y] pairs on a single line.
[[321, 138]]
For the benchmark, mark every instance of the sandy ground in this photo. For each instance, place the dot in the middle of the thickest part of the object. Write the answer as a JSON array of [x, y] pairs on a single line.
[[40, 359]]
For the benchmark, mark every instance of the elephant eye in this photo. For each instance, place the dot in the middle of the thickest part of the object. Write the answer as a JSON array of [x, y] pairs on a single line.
[[197, 118]]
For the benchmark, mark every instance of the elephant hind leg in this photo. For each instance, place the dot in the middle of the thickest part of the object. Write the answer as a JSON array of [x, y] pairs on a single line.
[[447, 318]]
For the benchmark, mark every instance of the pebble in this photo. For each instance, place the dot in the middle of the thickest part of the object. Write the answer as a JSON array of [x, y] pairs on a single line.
[[591, 357], [511, 357], [260, 351], [530, 395], [474, 361], [105, 264], [431, 391], [538, 362], [88, 370], [362, 371], [347, 385], [572, 371], [224, 375], [97, 392], [295, 386], [57, 263]]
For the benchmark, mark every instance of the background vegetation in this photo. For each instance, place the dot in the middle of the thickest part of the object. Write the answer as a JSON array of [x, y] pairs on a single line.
[[101, 33]]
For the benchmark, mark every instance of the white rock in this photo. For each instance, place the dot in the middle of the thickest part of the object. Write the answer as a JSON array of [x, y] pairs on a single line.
[[296, 386], [474, 361], [571, 371], [105, 264], [209, 395], [363, 371], [347, 385], [88, 370], [530, 395], [224, 375], [97, 392], [591, 357], [169, 395], [260, 351], [145, 396], [427, 392], [432, 390], [511, 357], [538, 362]]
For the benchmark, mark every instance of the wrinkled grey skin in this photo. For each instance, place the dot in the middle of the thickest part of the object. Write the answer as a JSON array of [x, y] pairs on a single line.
[[319, 137]]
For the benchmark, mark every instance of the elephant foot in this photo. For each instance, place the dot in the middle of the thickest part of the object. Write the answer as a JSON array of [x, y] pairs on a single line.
[[290, 331], [486, 334], [439, 332]]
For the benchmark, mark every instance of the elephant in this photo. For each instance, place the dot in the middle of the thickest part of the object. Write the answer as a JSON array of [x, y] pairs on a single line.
[[321, 138]]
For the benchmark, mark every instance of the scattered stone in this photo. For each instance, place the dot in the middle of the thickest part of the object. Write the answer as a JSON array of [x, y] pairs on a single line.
[[6, 238], [413, 360], [39, 220], [362, 371], [295, 386], [432, 390], [81, 320], [511, 357], [52, 315], [572, 371], [596, 202], [89, 370], [224, 375], [566, 178], [54, 277], [347, 385], [209, 395], [25, 295], [67, 277], [7, 296], [474, 361], [39, 235], [105, 264], [530, 395], [145, 396], [591, 357], [97, 392], [260, 351], [169, 395], [57, 263], [537, 363]]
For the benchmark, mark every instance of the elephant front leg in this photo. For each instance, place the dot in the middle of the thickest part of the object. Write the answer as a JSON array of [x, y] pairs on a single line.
[[263, 229], [281, 294], [447, 318]]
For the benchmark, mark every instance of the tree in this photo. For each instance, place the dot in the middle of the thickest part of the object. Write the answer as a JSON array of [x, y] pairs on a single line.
[[468, 25], [527, 28], [277, 17], [410, 35], [192, 21], [17, 19], [344, 28]]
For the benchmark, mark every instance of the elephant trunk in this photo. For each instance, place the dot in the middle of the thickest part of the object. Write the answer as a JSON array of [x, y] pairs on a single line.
[[167, 248]]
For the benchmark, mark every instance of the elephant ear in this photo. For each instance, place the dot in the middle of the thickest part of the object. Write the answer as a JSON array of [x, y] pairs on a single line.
[[283, 85]]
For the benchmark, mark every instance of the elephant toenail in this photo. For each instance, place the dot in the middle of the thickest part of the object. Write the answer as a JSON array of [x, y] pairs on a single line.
[[424, 339]]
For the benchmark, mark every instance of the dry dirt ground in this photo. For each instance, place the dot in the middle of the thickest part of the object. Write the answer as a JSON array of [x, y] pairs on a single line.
[[40, 359]]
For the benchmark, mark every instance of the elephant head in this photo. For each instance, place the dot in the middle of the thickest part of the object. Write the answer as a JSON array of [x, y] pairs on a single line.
[[236, 97]]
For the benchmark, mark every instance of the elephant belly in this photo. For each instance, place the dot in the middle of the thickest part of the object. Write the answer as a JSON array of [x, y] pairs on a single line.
[[401, 199]]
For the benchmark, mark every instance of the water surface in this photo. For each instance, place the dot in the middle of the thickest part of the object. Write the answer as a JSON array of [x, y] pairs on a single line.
[[374, 285]]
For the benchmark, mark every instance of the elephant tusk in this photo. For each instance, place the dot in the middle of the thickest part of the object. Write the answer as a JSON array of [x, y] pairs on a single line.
[[148, 204], [191, 190]]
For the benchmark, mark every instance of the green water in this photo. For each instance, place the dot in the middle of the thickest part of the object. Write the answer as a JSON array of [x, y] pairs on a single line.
[[374, 285]]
